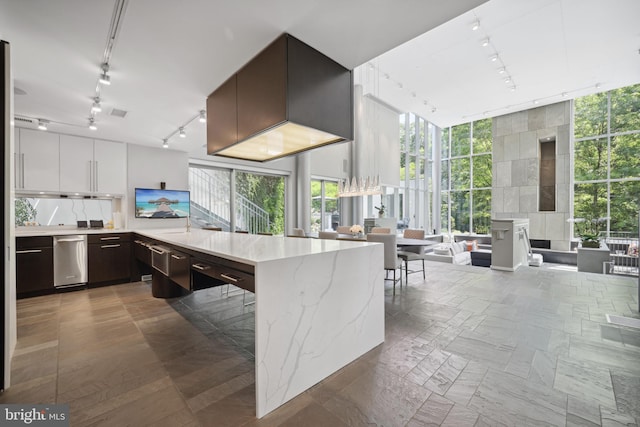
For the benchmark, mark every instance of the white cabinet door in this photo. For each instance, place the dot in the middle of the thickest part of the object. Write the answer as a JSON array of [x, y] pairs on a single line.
[[76, 164], [38, 160], [111, 167]]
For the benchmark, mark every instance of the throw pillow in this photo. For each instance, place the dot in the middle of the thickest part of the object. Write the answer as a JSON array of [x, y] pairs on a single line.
[[472, 245], [459, 247], [633, 250]]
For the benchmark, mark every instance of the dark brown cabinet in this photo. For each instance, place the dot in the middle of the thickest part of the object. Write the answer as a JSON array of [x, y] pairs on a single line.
[[109, 258], [34, 265]]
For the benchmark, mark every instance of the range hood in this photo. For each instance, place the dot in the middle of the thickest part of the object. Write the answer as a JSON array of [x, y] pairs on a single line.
[[289, 98]]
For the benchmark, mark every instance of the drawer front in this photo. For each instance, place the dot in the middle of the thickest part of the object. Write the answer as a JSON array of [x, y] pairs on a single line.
[[108, 238], [179, 271], [34, 242], [225, 274]]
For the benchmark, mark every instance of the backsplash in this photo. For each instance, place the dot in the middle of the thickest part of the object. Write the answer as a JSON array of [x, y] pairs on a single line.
[[51, 211]]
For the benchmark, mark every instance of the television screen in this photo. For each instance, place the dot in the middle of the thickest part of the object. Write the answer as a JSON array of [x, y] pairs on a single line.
[[152, 203]]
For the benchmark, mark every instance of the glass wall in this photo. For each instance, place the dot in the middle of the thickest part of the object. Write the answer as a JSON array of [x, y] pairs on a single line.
[[607, 161], [466, 176], [325, 205], [259, 200], [415, 196]]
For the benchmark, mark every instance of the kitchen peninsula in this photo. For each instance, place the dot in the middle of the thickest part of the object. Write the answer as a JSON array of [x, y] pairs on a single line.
[[319, 304]]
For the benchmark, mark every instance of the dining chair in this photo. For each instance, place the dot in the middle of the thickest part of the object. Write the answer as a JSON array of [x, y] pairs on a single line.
[[330, 235], [264, 233], [381, 230], [242, 231], [391, 260], [212, 228], [344, 229], [412, 253], [299, 232]]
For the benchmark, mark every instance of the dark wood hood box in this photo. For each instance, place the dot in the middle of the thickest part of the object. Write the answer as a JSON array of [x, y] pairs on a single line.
[[287, 82]]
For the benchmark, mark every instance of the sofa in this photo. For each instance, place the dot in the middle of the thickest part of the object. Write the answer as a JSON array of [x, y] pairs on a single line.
[[452, 253]]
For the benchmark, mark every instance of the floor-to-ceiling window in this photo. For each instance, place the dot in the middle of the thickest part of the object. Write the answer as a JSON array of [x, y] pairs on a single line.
[[607, 161], [465, 178], [415, 196], [325, 205], [258, 200]]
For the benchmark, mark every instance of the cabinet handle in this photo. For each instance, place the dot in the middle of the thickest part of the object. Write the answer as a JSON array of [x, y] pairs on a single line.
[[90, 176], [95, 173], [70, 240], [230, 277], [158, 251], [110, 246], [30, 251], [177, 257], [110, 238], [22, 170], [201, 267], [15, 170]]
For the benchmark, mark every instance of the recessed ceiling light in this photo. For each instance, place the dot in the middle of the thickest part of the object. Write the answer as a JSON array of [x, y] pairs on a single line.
[[484, 43], [475, 25]]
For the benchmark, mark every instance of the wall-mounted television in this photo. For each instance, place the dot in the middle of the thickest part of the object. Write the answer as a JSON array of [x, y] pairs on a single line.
[[152, 203]]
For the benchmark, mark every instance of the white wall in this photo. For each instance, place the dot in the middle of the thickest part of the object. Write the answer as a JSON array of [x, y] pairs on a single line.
[[147, 168]]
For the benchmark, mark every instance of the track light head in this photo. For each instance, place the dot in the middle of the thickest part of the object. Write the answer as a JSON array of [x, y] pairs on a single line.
[[165, 143], [42, 124], [104, 78], [475, 25], [203, 117], [92, 124], [484, 43], [96, 107], [182, 133]]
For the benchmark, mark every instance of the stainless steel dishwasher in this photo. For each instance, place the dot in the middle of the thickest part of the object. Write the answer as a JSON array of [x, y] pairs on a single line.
[[69, 260]]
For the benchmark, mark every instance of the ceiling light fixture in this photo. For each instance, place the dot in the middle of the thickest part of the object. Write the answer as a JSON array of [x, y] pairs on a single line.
[[512, 88], [507, 79], [203, 117], [92, 124], [493, 58], [433, 110], [484, 43], [399, 85], [165, 143], [96, 107], [182, 133], [536, 102], [42, 124], [475, 25], [564, 94], [598, 85], [104, 77], [502, 70]]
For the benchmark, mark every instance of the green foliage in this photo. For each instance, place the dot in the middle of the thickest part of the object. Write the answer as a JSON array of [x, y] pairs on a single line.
[[25, 212], [266, 192], [460, 174], [482, 171], [460, 140]]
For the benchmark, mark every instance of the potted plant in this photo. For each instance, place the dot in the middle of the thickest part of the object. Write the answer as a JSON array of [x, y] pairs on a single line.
[[590, 240], [380, 210]]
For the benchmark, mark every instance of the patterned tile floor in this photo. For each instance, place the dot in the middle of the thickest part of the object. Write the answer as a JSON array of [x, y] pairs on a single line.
[[468, 346]]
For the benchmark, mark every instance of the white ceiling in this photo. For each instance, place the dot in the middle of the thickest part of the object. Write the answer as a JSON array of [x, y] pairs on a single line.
[[170, 55]]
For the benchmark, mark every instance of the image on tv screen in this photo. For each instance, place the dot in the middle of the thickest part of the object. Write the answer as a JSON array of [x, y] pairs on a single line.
[[152, 203]]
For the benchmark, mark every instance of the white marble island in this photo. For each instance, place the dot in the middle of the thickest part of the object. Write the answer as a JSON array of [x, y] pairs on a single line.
[[319, 304]]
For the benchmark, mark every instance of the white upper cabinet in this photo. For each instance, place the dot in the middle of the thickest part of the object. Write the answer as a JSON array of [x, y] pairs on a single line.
[[37, 161], [110, 162], [76, 164]]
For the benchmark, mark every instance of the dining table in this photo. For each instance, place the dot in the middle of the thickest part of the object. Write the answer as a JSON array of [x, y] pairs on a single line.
[[400, 241]]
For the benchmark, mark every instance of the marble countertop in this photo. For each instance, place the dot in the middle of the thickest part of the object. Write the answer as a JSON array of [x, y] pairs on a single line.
[[250, 249]]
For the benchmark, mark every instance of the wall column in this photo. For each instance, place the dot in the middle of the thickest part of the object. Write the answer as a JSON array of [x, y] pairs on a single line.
[[303, 190]]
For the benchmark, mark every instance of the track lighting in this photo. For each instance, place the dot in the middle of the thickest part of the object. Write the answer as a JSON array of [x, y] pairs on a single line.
[[42, 124], [96, 107], [512, 88], [182, 133], [433, 110], [165, 143], [92, 124], [493, 58], [502, 70], [104, 77], [475, 25], [507, 80], [203, 117], [484, 43]]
